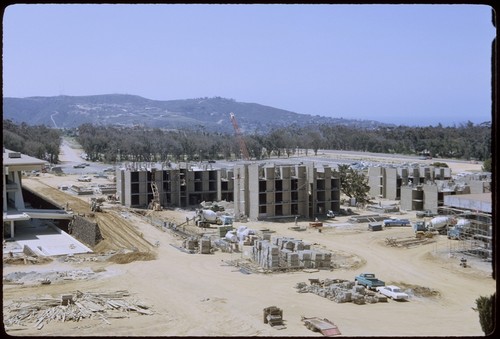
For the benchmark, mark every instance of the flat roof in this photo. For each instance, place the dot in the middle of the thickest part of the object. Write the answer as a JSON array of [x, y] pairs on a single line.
[[21, 163], [44, 239]]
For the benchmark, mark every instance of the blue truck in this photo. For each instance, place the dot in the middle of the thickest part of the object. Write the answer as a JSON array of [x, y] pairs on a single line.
[[368, 280], [396, 222]]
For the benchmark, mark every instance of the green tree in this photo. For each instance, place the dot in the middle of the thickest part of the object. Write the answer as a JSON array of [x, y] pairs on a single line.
[[486, 165], [354, 184], [486, 309]]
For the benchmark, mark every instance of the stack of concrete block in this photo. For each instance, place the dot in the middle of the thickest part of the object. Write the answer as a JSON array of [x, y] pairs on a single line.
[[190, 243], [305, 258], [320, 259], [291, 253], [358, 299], [265, 254], [205, 245], [292, 260], [288, 258], [283, 255]]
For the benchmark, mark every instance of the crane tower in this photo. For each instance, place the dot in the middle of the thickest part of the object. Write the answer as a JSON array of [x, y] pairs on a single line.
[[243, 146]]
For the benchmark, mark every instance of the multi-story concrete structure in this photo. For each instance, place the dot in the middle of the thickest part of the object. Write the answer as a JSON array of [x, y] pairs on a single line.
[[267, 190], [424, 187], [386, 182], [258, 191], [15, 210], [177, 186]]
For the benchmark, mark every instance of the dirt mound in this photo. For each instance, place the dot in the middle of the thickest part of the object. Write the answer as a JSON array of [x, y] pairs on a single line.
[[125, 258], [419, 291]]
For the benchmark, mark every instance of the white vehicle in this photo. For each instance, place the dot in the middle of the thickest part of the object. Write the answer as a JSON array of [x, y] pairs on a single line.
[[85, 178], [393, 292]]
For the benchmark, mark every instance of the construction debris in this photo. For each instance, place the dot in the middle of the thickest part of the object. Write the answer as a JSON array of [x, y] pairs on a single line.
[[341, 291], [408, 241], [71, 307]]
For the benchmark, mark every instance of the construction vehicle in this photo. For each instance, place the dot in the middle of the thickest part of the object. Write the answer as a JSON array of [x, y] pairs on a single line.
[[441, 224], [241, 141], [426, 213], [155, 202], [461, 230], [96, 204], [206, 217], [419, 226]]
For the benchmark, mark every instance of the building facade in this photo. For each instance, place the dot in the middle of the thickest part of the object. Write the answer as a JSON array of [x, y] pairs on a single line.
[[386, 182], [263, 191], [177, 186]]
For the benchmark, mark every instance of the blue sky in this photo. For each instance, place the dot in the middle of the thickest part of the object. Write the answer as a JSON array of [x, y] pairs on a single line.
[[416, 65]]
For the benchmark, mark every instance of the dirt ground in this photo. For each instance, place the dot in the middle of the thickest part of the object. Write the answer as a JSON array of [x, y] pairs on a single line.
[[203, 295]]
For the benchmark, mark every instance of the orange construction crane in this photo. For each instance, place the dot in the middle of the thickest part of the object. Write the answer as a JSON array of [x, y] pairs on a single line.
[[243, 146]]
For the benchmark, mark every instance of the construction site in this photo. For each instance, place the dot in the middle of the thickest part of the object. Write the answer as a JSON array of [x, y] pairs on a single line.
[[218, 257]]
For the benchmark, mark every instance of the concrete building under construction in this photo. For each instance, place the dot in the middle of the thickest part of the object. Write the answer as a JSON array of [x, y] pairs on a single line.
[[32, 225], [259, 191], [176, 186], [386, 182], [263, 191]]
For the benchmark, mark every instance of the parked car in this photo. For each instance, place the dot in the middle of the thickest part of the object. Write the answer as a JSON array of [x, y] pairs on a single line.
[[85, 178], [396, 222], [79, 166], [330, 214], [426, 213], [392, 292]]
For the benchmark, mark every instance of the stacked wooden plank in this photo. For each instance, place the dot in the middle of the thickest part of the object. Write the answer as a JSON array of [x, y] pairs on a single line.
[[71, 307]]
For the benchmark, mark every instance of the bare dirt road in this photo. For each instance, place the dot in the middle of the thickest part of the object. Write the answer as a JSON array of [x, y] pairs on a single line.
[[202, 295]]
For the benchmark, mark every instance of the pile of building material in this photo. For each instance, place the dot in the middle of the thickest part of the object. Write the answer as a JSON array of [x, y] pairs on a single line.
[[409, 241], [107, 188], [205, 245], [71, 307], [80, 190], [288, 253], [201, 245], [367, 218], [341, 291], [35, 277], [274, 317]]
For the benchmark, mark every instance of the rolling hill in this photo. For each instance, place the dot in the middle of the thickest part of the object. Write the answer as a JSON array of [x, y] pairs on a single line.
[[131, 110]]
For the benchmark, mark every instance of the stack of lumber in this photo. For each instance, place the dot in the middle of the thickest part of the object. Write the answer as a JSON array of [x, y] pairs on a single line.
[[71, 307]]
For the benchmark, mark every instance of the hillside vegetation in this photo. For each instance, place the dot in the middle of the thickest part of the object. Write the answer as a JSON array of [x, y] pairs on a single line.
[[211, 114]]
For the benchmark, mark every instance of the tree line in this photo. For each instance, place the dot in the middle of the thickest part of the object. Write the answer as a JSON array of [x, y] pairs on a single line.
[[113, 143], [38, 141]]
